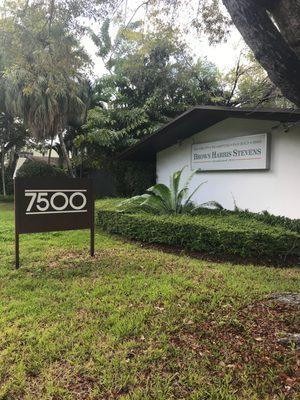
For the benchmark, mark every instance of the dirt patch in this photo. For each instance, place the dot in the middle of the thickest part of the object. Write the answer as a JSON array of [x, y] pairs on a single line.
[[74, 258], [65, 379]]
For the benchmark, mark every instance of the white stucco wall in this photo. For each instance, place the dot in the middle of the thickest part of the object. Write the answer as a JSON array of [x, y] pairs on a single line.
[[276, 190]]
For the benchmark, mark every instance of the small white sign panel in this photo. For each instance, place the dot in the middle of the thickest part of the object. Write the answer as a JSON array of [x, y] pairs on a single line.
[[239, 153]]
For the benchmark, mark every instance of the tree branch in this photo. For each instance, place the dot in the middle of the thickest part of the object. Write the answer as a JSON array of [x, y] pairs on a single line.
[[268, 45], [236, 79]]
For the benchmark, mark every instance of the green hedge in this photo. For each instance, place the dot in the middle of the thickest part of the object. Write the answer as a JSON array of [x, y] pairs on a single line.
[[224, 237], [264, 216], [32, 168]]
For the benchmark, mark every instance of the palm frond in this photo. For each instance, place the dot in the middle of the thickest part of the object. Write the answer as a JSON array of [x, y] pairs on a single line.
[[163, 192], [161, 199], [194, 191]]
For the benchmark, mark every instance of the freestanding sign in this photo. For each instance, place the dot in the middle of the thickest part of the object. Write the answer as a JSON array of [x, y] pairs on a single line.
[[238, 153], [53, 204]]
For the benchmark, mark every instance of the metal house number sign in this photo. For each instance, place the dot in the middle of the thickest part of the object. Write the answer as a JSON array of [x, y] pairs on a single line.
[[53, 204]]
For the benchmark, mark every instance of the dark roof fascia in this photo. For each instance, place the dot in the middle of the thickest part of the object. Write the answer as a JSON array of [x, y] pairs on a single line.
[[273, 114], [200, 118]]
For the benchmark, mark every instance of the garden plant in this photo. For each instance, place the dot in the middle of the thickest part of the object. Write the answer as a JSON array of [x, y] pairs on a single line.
[[161, 199]]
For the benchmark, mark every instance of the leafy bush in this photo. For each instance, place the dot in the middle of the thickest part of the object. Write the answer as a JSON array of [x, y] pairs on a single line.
[[132, 178], [32, 168], [6, 199], [221, 236], [161, 199]]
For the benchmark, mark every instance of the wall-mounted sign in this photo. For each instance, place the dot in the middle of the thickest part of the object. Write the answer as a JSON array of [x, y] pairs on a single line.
[[53, 204], [239, 153]]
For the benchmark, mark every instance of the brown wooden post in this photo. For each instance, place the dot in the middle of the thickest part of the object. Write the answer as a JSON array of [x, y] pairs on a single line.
[[17, 251], [17, 236], [92, 233]]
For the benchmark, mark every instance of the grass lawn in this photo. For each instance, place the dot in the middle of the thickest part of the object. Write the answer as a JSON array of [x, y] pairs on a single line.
[[137, 323]]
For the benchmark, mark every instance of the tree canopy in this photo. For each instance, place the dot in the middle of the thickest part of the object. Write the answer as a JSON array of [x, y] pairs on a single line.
[[271, 29], [152, 78], [152, 74], [44, 76]]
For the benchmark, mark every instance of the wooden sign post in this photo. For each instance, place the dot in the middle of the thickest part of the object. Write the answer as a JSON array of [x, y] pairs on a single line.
[[53, 204]]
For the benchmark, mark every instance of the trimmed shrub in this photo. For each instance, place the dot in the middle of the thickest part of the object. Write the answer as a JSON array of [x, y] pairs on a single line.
[[219, 236], [264, 216], [32, 168]]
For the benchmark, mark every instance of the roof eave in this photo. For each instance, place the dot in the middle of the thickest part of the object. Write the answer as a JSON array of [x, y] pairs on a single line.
[[203, 118]]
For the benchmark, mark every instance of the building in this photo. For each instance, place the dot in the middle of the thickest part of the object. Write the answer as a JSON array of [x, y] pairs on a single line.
[[250, 158]]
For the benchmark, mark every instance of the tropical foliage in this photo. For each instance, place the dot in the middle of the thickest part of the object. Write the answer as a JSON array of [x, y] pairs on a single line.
[[152, 78], [161, 199], [151, 74], [43, 78], [270, 29]]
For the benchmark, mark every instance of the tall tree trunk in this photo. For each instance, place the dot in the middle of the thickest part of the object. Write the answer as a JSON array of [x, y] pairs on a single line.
[[3, 172], [14, 160], [65, 153], [268, 45], [286, 14], [50, 150], [11, 156]]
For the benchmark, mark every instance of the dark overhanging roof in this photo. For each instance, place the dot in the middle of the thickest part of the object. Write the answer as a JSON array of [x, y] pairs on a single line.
[[196, 120]]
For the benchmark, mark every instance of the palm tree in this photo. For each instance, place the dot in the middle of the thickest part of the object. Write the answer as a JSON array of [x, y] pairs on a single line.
[[161, 199], [44, 81], [47, 108]]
